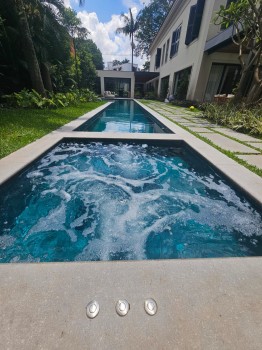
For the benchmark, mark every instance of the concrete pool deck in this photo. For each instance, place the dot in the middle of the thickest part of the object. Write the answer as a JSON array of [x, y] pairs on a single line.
[[202, 303]]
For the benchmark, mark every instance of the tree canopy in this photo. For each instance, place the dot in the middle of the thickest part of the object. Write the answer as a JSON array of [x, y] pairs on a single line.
[[43, 45], [245, 17], [149, 20]]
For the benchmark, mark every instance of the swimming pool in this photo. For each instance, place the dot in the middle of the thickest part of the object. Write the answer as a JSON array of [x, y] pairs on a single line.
[[124, 116], [124, 201]]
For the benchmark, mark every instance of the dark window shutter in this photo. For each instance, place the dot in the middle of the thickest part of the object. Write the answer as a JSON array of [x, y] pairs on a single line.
[[158, 58], [190, 25], [172, 44], [198, 18]]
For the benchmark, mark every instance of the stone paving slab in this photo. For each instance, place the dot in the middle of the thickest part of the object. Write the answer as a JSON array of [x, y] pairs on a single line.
[[255, 160], [200, 130], [180, 120], [237, 135], [228, 144], [256, 144]]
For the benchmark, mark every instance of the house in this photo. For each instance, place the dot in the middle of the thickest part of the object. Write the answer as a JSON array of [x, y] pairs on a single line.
[[124, 83], [195, 58]]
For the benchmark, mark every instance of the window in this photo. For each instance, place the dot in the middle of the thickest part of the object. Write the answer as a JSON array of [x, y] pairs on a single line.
[[158, 57], [175, 41], [194, 21], [164, 87], [223, 78], [167, 49], [163, 55], [181, 82]]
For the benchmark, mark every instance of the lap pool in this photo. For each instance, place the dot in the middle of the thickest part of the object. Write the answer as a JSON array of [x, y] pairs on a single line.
[[87, 201], [124, 116]]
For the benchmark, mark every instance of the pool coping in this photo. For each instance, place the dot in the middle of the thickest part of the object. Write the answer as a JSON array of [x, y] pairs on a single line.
[[202, 303]]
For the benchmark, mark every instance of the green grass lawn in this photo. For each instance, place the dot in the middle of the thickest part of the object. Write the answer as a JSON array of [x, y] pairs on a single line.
[[19, 127]]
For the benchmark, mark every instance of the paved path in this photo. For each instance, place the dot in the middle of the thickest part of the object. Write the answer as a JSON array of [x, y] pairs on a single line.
[[243, 146]]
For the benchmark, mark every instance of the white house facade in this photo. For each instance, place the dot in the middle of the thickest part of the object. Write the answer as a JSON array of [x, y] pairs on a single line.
[[195, 58]]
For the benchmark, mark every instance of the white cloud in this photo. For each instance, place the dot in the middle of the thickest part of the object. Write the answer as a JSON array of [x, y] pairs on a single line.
[[67, 3], [138, 4], [112, 45]]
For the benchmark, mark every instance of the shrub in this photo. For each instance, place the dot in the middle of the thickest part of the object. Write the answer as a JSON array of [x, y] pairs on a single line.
[[32, 99], [150, 95], [238, 117], [186, 103]]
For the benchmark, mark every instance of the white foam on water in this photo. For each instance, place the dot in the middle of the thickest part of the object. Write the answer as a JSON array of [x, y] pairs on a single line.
[[54, 221], [6, 241], [126, 193]]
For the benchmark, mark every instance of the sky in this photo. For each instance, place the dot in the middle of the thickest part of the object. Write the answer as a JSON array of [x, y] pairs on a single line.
[[102, 18]]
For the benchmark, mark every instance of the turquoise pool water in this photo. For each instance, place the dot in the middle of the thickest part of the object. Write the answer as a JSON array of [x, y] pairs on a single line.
[[120, 201], [124, 116]]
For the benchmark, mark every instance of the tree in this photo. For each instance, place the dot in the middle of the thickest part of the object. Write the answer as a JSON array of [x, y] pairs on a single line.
[[118, 63], [146, 66], [150, 19], [49, 36], [75, 30], [38, 42], [131, 26], [96, 55], [28, 48], [245, 16]]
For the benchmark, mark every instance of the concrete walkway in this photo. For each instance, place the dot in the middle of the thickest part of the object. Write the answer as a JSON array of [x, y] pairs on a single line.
[[243, 146]]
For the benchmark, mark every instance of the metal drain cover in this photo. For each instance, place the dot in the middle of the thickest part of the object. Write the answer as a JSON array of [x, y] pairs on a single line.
[[92, 309], [122, 307], [151, 307]]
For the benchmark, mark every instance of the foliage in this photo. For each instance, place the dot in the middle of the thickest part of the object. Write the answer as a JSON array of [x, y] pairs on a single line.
[[32, 99], [245, 16], [238, 117], [150, 95], [56, 33], [73, 24], [146, 66], [149, 20], [186, 103], [88, 46], [118, 63], [19, 129]]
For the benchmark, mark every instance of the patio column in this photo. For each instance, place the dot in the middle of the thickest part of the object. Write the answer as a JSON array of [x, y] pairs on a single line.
[[132, 85]]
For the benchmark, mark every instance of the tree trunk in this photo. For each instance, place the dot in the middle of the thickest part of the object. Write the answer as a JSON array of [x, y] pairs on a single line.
[[132, 46], [46, 77], [28, 48], [76, 66], [242, 85], [254, 93]]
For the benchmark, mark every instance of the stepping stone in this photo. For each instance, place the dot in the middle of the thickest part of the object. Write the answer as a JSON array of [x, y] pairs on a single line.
[[255, 160], [180, 120], [200, 130], [236, 135], [228, 144], [256, 144]]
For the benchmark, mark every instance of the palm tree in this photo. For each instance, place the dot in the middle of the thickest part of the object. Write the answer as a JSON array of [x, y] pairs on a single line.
[[130, 28]]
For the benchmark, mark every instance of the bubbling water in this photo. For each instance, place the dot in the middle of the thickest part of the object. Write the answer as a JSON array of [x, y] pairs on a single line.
[[123, 201]]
